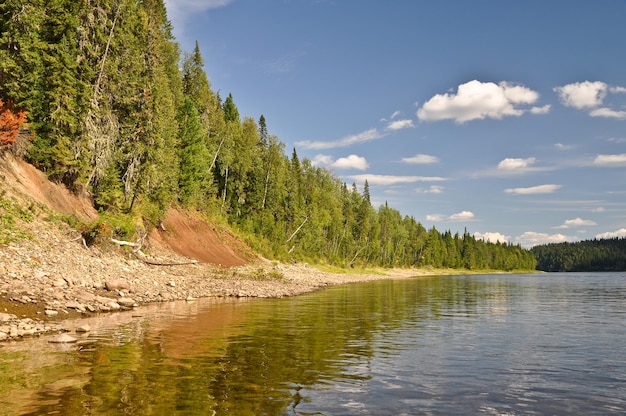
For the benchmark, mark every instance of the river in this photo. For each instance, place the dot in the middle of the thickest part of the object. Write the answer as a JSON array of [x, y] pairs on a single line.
[[481, 344]]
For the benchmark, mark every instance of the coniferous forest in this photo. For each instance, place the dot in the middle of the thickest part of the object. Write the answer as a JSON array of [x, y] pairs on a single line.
[[114, 109], [605, 255]]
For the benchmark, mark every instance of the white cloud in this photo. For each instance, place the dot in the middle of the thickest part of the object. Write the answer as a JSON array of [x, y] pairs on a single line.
[[421, 159], [608, 113], [562, 146], [511, 163], [435, 217], [178, 11], [541, 110], [366, 136], [610, 160], [533, 190], [582, 95], [349, 162], [461, 216], [617, 90], [613, 234], [395, 114], [322, 160], [590, 96], [576, 222], [598, 209], [393, 180], [512, 166], [492, 237], [477, 100], [531, 238], [618, 140], [434, 189], [400, 124]]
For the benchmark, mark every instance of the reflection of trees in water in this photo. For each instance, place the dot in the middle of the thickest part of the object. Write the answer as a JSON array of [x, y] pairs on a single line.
[[252, 358]]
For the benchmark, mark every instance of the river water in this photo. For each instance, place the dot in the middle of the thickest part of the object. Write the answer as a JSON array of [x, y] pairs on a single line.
[[450, 345]]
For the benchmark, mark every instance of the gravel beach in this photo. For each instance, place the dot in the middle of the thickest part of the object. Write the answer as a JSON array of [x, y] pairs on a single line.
[[53, 277]]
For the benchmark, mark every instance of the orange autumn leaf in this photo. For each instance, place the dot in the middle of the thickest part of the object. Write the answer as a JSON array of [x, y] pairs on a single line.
[[10, 122]]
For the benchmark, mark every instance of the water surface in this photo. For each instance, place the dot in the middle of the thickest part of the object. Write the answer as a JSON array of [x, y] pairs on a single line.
[[501, 345]]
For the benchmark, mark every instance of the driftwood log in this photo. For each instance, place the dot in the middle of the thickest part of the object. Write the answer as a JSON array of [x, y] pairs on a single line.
[[137, 252]]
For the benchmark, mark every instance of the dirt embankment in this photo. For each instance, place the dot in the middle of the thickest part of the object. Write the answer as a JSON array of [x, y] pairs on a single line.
[[183, 233], [47, 274]]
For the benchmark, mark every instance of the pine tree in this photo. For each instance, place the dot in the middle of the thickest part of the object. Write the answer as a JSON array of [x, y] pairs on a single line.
[[263, 135], [195, 179], [195, 83], [231, 113]]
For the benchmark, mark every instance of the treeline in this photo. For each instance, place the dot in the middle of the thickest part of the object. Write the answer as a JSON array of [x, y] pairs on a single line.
[[117, 111], [583, 256]]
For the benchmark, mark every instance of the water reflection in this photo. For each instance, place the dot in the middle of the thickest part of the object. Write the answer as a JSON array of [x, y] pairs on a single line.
[[440, 345]]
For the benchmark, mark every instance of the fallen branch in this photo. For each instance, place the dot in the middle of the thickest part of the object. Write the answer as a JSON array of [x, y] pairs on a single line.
[[355, 256], [298, 229], [81, 238], [144, 258], [125, 243]]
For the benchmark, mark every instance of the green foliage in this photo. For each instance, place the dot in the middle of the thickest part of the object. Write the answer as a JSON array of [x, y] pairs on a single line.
[[107, 226], [231, 113], [195, 179], [262, 273], [114, 109], [12, 208], [583, 256]]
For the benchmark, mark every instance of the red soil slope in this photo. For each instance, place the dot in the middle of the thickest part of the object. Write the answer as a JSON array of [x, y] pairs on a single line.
[[186, 234], [189, 235]]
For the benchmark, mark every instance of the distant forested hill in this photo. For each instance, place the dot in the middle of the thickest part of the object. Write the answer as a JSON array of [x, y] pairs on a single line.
[[582, 256], [115, 110]]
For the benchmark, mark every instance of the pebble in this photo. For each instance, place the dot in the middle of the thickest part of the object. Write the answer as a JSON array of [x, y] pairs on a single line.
[[62, 339], [117, 284], [127, 302], [83, 328]]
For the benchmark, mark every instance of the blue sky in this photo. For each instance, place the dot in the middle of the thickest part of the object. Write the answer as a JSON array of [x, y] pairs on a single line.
[[507, 118]]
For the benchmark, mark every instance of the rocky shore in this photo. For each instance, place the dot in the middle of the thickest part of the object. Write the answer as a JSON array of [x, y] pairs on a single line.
[[54, 276], [48, 276]]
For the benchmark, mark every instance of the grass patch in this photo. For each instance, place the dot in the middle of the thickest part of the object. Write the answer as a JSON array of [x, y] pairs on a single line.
[[259, 274], [11, 214]]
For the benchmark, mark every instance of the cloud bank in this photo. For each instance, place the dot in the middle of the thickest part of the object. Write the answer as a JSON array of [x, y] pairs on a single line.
[[576, 222], [589, 96], [492, 237], [534, 190], [433, 189], [477, 100], [613, 234], [366, 136], [179, 10], [531, 238], [400, 124], [348, 162], [610, 160], [460, 216], [510, 164], [394, 180], [421, 159]]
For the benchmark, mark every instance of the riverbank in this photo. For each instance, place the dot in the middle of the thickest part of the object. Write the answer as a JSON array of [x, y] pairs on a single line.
[[53, 276], [48, 274]]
